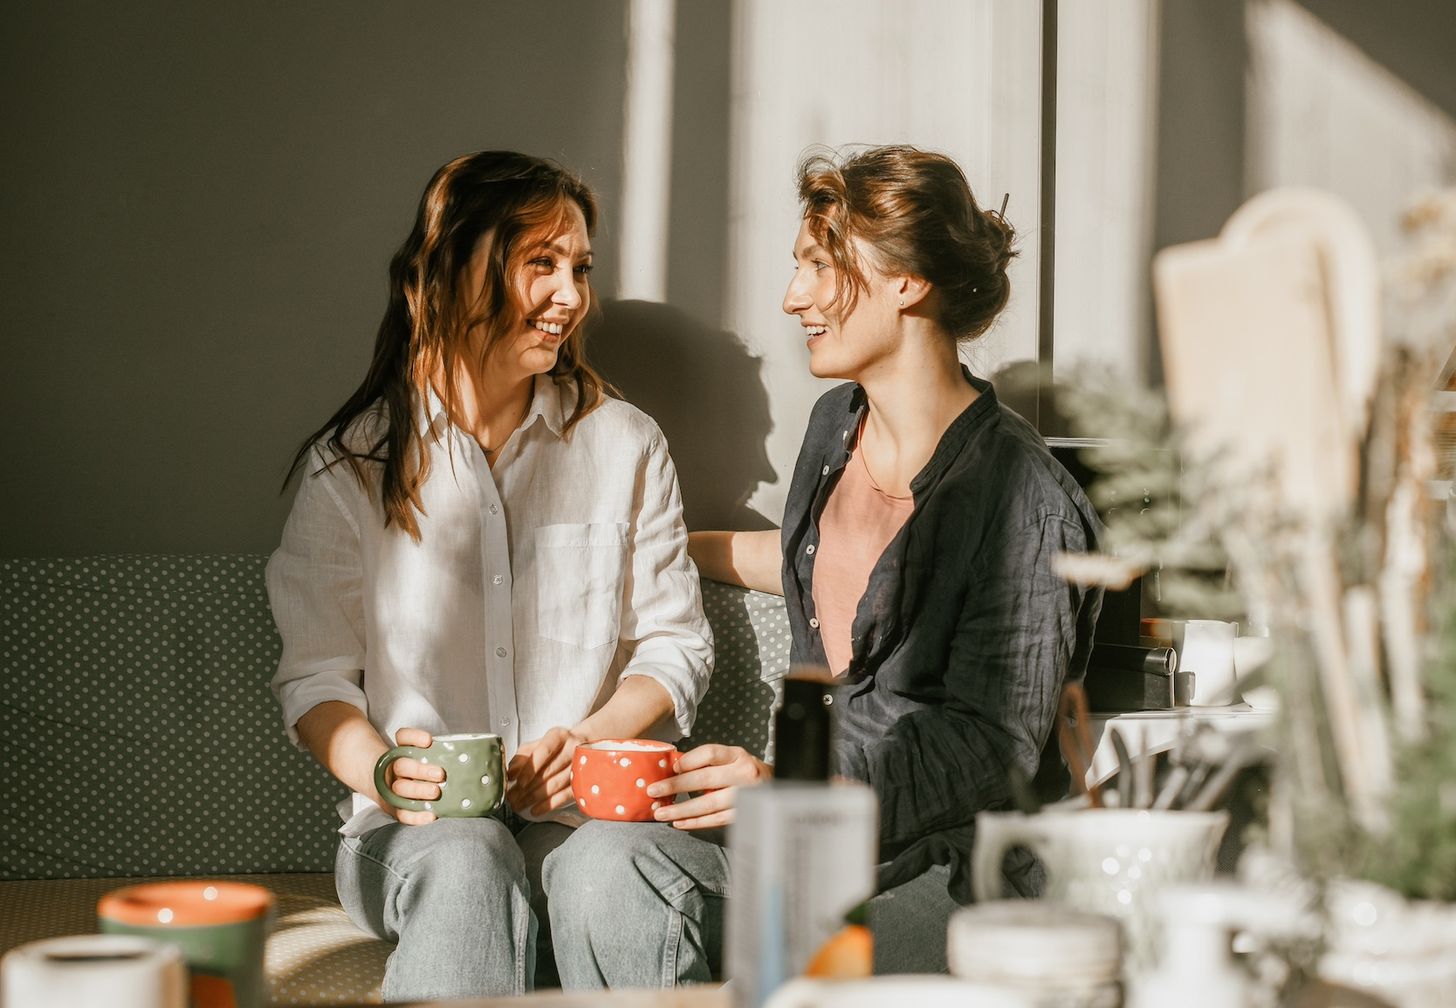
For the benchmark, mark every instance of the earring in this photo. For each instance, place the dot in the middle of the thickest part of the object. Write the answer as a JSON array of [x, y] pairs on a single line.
[[902, 302]]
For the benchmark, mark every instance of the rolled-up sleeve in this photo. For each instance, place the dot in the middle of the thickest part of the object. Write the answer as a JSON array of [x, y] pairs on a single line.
[[662, 613], [314, 588], [1013, 644]]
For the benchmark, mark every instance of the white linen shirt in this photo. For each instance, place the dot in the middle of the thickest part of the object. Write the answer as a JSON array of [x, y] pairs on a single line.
[[534, 589]]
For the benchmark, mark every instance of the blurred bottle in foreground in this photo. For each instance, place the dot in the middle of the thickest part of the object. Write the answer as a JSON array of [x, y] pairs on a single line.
[[802, 851]]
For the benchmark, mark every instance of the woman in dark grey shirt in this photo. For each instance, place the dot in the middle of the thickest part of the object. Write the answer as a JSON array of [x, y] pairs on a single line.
[[952, 631]]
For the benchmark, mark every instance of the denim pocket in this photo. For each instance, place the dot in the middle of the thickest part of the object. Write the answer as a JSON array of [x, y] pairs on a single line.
[[580, 575]]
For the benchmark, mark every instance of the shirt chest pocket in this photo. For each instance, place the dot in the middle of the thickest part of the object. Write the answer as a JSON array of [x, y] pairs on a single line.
[[580, 574]]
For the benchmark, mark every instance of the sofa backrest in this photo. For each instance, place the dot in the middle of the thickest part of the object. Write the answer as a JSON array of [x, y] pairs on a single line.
[[144, 739]]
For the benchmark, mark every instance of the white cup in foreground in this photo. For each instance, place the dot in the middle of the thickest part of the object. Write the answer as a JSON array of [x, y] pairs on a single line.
[[94, 971]]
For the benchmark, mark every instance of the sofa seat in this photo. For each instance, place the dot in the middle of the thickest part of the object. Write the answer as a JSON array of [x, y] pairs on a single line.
[[314, 956]]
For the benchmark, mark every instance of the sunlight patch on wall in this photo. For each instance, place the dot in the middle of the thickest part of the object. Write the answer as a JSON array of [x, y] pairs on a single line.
[[959, 76]]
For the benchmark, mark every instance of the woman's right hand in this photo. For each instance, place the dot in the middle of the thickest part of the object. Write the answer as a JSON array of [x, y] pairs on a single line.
[[715, 770], [409, 778]]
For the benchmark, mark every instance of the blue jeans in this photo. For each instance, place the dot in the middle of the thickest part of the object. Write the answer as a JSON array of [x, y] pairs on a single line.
[[464, 900], [452, 896], [636, 905]]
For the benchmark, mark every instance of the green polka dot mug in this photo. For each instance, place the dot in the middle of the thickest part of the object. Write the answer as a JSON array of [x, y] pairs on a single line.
[[474, 775]]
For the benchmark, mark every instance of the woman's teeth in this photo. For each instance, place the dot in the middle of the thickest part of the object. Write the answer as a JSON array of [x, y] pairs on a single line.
[[553, 328], [815, 330]]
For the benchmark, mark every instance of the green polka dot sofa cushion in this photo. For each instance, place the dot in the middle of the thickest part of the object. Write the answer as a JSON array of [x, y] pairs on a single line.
[[142, 685], [751, 648]]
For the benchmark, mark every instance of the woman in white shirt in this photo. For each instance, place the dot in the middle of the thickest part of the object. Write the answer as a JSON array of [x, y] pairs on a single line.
[[483, 541]]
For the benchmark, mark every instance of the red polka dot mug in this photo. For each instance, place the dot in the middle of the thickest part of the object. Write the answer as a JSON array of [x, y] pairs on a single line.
[[609, 777]]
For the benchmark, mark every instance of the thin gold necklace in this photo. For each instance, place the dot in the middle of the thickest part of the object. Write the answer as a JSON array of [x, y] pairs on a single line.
[[864, 464]]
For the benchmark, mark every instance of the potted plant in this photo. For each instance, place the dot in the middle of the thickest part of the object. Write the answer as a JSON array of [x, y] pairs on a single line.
[[1355, 584]]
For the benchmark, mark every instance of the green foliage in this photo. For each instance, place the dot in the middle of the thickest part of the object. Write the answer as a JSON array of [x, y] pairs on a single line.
[[1159, 517], [1417, 857]]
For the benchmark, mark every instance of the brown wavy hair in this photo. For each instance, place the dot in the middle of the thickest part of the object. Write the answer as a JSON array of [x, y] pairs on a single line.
[[510, 201], [916, 213]]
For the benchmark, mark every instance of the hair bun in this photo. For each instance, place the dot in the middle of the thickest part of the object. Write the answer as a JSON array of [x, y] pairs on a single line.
[[1003, 237]]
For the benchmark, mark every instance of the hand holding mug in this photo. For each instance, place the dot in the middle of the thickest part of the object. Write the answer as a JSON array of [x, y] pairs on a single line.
[[409, 778], [459, 775], [540, 773], [716, 771], [613, 778]]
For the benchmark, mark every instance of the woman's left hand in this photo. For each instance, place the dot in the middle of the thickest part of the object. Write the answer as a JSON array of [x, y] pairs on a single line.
[[717, 771], [538, 777]]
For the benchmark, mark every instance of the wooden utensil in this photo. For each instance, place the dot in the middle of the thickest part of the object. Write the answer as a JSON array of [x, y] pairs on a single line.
[[1074, 737], [1124, 770]]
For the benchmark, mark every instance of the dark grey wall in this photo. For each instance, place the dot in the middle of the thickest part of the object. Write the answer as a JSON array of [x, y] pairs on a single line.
[[1203, 59], [1412, 39], [198, 205]]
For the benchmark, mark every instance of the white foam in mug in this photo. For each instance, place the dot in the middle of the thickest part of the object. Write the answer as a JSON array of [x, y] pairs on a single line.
[[630, 746]]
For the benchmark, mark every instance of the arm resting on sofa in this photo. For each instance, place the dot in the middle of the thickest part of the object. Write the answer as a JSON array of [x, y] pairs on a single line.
[[747, 559]]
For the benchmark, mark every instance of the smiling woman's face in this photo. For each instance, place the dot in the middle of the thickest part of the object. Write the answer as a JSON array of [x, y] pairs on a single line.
[[842, 344], [550, 280]]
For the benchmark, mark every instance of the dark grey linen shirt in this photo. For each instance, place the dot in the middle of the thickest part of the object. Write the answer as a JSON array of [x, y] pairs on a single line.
[[964, 636]]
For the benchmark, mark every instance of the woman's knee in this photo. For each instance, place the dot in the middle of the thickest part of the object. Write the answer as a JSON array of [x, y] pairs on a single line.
[[603, 860], [597, 854], [461, 853], [399, 879]]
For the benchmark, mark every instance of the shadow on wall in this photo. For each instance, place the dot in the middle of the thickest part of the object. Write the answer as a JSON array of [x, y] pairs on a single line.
[[1025, 387], [704, 389]]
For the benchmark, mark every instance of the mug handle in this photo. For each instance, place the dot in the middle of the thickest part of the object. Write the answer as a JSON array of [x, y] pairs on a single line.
[[381, 778], [996, 833]]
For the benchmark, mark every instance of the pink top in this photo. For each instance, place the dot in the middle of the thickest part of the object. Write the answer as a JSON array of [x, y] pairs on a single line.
[[858, 522]]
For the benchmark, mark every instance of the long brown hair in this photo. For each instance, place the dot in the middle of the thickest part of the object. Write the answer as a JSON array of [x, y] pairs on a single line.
[[509, 201], [915, 211]]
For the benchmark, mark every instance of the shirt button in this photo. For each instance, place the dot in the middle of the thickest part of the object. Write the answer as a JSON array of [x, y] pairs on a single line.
[[505, 722], [814, 622], [828, 699], [495, 509], [824, 471], [497, 580], [809, 549], [500, 652]]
